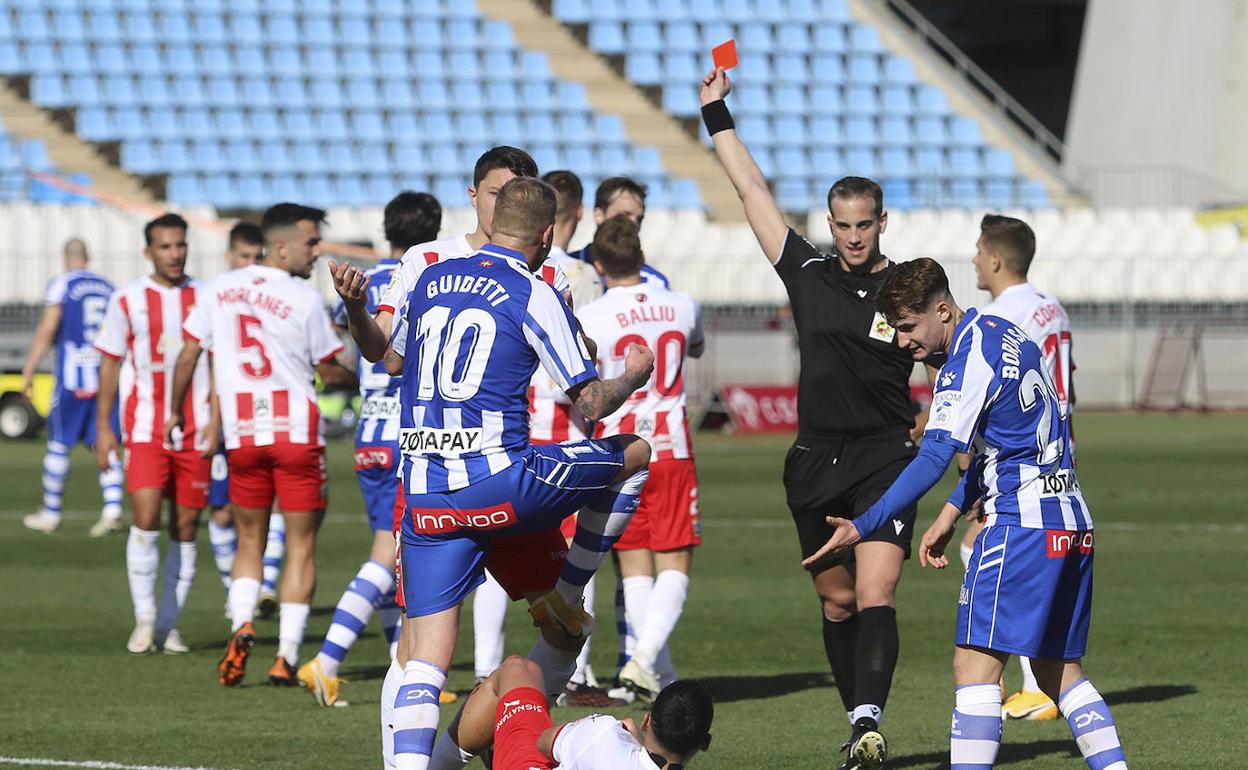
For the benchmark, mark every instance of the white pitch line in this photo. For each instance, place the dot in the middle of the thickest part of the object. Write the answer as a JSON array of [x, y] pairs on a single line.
[[94, 764]]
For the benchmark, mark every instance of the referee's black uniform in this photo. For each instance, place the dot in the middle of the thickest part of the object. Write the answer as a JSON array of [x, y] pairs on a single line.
[[853, 399]]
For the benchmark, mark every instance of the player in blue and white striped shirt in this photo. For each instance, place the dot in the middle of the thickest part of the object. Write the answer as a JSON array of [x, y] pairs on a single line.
[[1028, 590], [73, 308]]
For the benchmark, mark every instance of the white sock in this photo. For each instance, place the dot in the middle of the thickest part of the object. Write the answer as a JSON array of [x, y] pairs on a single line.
[[869, 711], [1093, 726], [636, 598], [389, 689], [372, 583], [390, 615], [1029, 678], [416, 714], [598, 526], [975, 732], [582, 660], [179, 575], [965, 552], [291, 624], [489, 613], [242, 599], [111, 482], [447, 755], [274, 551], [142, 561], [664, 669], [224, 541], [55, 473], [557, 666], [666, 603]]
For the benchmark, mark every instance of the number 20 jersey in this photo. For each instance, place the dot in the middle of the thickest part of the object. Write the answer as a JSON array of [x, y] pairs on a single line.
[[994, 396], [474, 331]]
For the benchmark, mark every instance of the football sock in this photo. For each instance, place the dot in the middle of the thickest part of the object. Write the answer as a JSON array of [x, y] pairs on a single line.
[[447, 755], [389, 689], [416, 714], [110, 487], [840, 645], [489, 612], [876, 656], [636, 600], [179, 575], [291, 625], [55, 472], [242, 598], [624, 632], [1029, 678], [582, 660], [274, 551], [965, 552], [557, 666], [975, 733], [664, 669], [667, 601], [598, 526], [142, 561], [365, 593], [1093, 726], [390, 615], [224, 541]]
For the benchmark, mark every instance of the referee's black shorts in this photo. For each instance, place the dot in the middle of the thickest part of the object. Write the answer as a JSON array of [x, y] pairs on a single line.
[[842, 477]]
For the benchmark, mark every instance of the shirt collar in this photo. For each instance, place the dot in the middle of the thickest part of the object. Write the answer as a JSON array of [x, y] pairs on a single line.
[[502, 251], [1016, 288]]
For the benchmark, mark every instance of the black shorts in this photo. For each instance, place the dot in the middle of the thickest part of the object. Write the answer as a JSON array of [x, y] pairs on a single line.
[[843, 477]]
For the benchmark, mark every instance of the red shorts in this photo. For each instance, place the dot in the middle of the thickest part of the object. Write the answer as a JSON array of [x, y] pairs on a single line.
[[519, 720], [667, 517], [184, 477], [293, 473], [522, 564]]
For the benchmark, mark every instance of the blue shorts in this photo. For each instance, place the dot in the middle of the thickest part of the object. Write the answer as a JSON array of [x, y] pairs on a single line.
[[72, 420], [374, 468], [1028, 592], [445, 561], [219, 488]]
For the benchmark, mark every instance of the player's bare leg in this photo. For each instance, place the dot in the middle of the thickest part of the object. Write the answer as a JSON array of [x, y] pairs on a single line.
[[298, 587], [142, 564], [472, 729], [253, 529], [178, 578]]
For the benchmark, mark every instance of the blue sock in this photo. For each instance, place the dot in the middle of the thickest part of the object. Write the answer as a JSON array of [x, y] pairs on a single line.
[[55, 473], [415, 715], [110, 487], [224, 541], [366, 591], [975, 734], [274, 552], [598, 526], [1093, 726]]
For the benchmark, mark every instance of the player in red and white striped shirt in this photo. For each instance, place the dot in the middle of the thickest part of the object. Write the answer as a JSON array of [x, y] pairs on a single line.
[[656, 550], [269, 334], [139, 339]]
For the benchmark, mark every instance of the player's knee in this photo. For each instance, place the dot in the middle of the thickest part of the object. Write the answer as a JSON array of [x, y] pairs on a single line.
[[875, 596], [637, 453], [839, 607], [519, 667]]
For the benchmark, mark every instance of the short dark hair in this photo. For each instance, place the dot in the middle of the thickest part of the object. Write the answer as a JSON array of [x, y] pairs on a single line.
[[568, 186], [1012, 239], [617, 247], [412, 218], [681, 716], [513, 159], [525, 207], [614, 185], [857, 187], [911, 287], [287, 214], [246, 232], [168, 219]]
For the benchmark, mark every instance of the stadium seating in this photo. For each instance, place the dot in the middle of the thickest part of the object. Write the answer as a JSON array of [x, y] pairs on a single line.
[[815, 88], [17, 158], [376, 97]]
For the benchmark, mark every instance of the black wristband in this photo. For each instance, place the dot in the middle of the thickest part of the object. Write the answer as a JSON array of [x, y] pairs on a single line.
[[716, 117]]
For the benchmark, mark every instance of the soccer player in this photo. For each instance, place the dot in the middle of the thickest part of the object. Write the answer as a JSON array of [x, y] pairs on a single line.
[[476, 330], [269, 334], [137, 339], [620, 196], [510, 712], [73, 307], [656, 551], [1003, 257], [585, 283], [1029, 587], [410, 218], [854, 418], [245, 246]]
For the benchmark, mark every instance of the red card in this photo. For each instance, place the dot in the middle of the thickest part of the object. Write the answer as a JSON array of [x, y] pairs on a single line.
[[725, 55]]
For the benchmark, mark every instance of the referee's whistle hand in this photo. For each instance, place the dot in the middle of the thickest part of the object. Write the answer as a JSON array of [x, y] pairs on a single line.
[[844, 537], [715, 86]]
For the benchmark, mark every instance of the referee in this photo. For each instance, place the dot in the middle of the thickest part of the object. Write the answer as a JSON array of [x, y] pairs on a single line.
[[854, 419]]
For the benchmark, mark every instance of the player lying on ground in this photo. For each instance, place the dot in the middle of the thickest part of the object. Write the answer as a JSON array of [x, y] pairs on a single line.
[[509, 712], [1028, 590]]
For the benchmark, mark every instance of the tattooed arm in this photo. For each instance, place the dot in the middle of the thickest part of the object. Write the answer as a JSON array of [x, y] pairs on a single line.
[[598, 398]]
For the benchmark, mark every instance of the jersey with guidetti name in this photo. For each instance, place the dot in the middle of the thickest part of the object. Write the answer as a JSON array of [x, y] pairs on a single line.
[[83, 298], [994, 396], [473, 333]]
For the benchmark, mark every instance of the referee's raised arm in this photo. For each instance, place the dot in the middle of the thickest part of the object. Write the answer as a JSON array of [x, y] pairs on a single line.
[[760, 207]]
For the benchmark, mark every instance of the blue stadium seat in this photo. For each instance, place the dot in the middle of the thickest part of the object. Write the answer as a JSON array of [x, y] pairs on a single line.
[[827, 162], [706, 9], [793, 194], [895, 130], [349, 190], [221, 190], [472, 128], [436, 127], [790, 100], [463, 33], [76, 59], [831, 38], [998, 163], [864, 68], [400, 125], [574, 128], [539, 127], [209, 29], [175, 156], [533, 65], [900, 194], [163, 122], [185, 189], [755, 69], [827, 131], [965, 162], [685, 194], [828, 68], [32, 26], [647, 161], [174, 29], [428, 65], [571, 11], [606, 10], [612, 160], [375, 158], [802, 10], [865, 39], [393, 64], [42, 59], [276, 156], [899, 70], [930, 130], [367, 126], [381, 188], [187, 91], [361, 93], [358, 62], [642, 36], [572, 97], [790, 131], [410, 158], [244, 27], [714, 33], [580, 159], [464, 65], [332, 125], [232, 124], [433, 95], [860, 161], [444, 159], [609, 129], [200, 124], [606, 37], [643, 68], [254, 191], [341, 158], [84, 91], [48, 91], [468, 95], [426, 34], [931, 101], [895, 161], [497, 35], [94, 124], [284, 62], [208, 157], [317, 30], [681, 100], [537, 96], [755, 131], [792, 161], [791, 68], [793, 37], [139, 156], [257, 94], [326, 95], [547, 155], [10, 58], [103, 26], [680, 36], [112, 60], [861, 129], [862, 100], [310, 158], [897, 99], [965, 132], [756, 39], [223, 92]]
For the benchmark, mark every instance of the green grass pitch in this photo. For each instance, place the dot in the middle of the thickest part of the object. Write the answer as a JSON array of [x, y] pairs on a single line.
[[1169, 629]]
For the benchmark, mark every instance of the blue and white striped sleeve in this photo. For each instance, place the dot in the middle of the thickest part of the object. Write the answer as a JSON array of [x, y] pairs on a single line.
[[551, 331], [55, 293], [964, 387]]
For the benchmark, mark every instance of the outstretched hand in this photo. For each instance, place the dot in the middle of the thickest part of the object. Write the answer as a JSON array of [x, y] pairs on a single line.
[[844, 536], [715, 86], [349, 281]]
